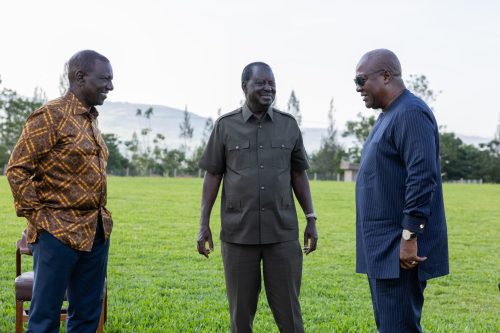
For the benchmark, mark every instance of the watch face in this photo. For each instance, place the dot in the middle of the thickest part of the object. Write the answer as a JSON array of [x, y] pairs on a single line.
[[406, 235]]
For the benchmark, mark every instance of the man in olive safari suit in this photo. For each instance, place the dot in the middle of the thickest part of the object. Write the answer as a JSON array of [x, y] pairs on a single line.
[[259, 153]]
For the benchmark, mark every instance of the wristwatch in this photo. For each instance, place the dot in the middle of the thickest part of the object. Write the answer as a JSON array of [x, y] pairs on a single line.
[[407, 235], [313, 215]]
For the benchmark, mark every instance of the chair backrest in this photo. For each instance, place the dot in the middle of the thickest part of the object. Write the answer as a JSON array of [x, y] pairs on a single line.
[[21, 248]]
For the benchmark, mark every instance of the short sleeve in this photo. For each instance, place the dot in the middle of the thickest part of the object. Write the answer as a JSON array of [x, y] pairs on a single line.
[[213, 158], [299, 160]]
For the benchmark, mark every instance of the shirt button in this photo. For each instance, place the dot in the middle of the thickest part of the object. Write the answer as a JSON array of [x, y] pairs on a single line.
[[260, 126], [237, 147], [262, 188], [421, 226], [261, 146], [261, 166], [282, 146], [262, 209]]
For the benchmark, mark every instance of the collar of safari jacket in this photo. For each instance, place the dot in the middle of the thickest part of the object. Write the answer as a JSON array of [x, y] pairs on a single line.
[[247, 113]]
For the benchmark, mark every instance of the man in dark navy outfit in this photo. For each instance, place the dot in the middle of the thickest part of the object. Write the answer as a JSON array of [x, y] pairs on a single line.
[[401, 237]]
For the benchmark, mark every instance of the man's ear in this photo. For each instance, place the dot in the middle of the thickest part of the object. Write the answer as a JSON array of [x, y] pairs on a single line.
[[387, 77], [244, 86], [80, 78]]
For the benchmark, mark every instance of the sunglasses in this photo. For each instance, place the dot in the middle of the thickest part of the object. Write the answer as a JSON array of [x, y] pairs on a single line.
[[360, 80]]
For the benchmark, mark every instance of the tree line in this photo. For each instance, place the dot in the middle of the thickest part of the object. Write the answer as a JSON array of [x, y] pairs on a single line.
[[146, 153]]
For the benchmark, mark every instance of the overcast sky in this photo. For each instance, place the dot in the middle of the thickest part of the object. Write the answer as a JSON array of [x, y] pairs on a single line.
[[190, 52]]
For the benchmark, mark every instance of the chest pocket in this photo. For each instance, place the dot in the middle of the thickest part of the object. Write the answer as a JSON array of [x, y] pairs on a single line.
[[282, 151], [238, 154]]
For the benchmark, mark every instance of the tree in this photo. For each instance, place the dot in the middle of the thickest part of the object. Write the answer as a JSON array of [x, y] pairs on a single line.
[[186, 130], [146, 130], [192, 163], [207, 130], [63, 80], [173, 160], [494, 145], [463, 161], [146, 154], [327, 160], [419, 85], [117, 163], [293, 107], [14, 110], [360, 129]]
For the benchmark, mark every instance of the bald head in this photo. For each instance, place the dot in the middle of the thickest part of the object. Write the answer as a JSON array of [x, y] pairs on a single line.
[[378, 78], [382, 59]]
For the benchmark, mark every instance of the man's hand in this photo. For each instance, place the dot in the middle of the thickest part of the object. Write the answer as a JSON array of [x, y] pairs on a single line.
[[211, 183], [408, 258], [310, 236], [204, 236]]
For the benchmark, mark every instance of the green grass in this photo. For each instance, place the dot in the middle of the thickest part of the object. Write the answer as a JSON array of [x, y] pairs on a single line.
[[159, 283]]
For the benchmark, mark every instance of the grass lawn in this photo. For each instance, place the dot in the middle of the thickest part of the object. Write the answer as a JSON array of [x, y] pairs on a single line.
[[159, 283]]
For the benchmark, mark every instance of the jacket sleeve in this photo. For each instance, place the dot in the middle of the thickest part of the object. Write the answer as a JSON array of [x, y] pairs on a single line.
[[416, 138], [36, 140]]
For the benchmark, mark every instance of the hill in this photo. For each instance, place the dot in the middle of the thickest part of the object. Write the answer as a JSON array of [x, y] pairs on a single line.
[[120, 118]]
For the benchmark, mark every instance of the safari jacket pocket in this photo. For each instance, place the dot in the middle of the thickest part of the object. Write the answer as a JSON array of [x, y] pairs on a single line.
[[231, 217], [233, 205], [238, 156], [281, 150]]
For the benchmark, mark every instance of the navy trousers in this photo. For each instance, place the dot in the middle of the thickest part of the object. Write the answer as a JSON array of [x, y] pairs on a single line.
[[58, 268], [282, 271], [397, 303]]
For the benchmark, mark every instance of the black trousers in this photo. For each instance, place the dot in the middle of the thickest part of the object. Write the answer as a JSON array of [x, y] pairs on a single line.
[[282, 271], [397, 303]]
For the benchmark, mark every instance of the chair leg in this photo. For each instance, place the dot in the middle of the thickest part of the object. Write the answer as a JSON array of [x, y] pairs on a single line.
[[106, 307], [19, 317], [102, 319]]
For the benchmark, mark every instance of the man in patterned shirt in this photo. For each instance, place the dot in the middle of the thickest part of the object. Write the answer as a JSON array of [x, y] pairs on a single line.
[[57, 173]]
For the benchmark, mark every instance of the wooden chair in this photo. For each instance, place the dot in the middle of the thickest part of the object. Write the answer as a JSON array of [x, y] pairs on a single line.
[[24, 287]]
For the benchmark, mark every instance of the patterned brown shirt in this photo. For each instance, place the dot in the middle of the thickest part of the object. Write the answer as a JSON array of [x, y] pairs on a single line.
[[57, 173]]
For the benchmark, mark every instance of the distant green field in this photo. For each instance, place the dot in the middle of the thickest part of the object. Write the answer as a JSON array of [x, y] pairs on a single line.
[[159, 283]]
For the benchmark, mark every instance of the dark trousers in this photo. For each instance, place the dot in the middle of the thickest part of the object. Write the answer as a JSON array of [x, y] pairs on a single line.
[[397, 303], [58, 268], [282, 270]]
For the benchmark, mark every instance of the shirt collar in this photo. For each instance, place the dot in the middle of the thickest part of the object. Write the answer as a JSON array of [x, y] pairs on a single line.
[[77, 106], [247, 113]]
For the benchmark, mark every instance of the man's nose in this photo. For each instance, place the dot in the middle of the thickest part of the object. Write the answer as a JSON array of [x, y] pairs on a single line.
[[359, 88]]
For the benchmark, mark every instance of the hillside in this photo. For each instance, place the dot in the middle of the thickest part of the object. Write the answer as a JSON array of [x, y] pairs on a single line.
[[120, 118]]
